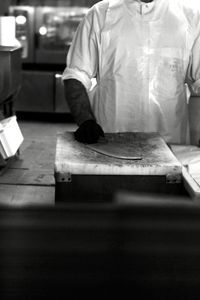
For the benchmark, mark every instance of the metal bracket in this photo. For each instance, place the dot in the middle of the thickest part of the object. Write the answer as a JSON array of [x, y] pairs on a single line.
[[173, 178], [66, 177]]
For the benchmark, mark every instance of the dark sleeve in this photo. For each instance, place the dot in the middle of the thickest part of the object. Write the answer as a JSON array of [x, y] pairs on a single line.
[[78, 101]]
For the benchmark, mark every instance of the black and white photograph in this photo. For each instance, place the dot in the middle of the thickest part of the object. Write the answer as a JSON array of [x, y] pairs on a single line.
[[99, 149]]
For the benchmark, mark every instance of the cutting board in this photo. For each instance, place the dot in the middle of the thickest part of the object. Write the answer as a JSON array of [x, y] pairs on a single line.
[[155, 157], [81, 171]]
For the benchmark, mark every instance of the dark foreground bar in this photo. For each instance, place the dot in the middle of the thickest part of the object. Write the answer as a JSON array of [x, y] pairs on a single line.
[[140, 245]]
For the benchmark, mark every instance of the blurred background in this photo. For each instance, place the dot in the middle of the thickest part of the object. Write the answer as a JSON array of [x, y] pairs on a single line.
[[45, 30]]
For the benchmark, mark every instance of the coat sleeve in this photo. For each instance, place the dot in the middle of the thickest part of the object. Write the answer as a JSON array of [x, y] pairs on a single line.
[[193, 74], [82, 58]]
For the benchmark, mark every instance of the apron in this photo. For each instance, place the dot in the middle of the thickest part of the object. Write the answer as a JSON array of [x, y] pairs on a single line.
[[143, 62]]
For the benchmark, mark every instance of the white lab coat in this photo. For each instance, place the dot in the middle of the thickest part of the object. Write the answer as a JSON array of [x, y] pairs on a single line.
[[141, 55]]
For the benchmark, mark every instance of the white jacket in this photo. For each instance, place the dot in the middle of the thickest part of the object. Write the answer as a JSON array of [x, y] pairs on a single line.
[[141, 55]]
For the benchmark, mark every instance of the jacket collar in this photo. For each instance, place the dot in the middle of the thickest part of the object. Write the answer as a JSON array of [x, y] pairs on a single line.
[[141, 7]]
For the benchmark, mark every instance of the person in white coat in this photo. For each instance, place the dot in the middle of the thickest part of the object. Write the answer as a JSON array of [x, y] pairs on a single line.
[[143, 55]]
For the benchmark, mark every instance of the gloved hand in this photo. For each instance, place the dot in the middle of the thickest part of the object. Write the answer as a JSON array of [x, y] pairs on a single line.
[[88, 132]]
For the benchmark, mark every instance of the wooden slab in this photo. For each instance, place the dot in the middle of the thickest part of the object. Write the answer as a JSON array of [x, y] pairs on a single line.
[[83, 174], [73, 157], [189, 157]]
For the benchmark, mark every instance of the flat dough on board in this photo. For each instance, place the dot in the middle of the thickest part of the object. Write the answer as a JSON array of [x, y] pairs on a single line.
[[117, 148]]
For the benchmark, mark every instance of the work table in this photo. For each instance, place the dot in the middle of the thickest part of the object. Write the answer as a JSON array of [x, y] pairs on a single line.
[[139, 243], [83, 172]]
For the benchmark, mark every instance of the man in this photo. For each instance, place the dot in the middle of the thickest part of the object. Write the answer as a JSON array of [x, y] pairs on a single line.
[[141, 53]]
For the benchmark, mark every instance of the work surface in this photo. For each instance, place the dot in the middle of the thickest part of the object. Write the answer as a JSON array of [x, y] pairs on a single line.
[[133, 246], [80, 168], [29, 180], [155, 158]]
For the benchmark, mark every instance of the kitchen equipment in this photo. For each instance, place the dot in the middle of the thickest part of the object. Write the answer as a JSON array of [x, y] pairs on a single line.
[[83, 174], [10, 82], [10, 137], [25, 30], [45, 33], [37, 93], [60, 103], [10, 71], [7, 31], [55, 29]]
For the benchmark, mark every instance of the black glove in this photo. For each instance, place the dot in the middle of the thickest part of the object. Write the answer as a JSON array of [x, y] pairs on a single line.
[[88, 132]]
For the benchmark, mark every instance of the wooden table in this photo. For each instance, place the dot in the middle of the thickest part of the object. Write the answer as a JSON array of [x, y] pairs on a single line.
[[83, 174]]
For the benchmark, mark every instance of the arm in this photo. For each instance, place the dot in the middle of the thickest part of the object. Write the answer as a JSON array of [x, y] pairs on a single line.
[[82, 66], [194, 120], [193, 81], [89, 131], [78, 101]]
